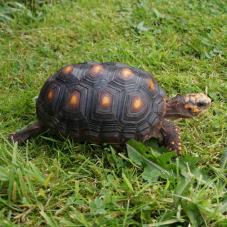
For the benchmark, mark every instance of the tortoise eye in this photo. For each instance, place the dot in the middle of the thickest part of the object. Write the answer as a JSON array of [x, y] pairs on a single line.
[[201, 104]]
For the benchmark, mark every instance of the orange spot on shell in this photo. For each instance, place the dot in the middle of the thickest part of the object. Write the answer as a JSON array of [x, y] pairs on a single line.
[[126, 73], [74, 99], [68, 69], [106, 100], [151, 85], [96, 69], [50, 95], [137, 103]]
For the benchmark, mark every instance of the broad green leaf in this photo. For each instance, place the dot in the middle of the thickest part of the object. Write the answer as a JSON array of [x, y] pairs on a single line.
[[134, 155], [151, 174], [140, 159]]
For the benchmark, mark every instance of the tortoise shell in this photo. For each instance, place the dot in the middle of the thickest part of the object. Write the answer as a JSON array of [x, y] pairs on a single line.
[[101, 103]]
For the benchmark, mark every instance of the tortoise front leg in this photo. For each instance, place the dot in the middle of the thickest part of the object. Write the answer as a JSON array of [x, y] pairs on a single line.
[[31, 131], [171, 136]]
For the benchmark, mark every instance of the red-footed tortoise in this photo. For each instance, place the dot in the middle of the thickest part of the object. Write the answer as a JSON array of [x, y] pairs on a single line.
[[110, 103]]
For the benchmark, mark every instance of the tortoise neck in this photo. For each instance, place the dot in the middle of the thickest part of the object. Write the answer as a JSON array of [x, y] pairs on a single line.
[[171, 112], [173, 108]]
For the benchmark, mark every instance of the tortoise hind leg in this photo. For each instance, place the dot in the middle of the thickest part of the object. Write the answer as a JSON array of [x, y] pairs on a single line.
[[24, 134], [171, 136]]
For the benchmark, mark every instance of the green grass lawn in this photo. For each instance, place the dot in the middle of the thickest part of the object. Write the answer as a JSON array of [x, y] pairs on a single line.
[[60, 183]]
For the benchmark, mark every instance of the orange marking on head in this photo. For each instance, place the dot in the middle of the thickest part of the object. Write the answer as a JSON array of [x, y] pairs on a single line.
[[188, 106], [193, 108], [96, 69], [151, 85], [126, 73], [137, 103], [74, 99], [106, 100], [50, 95], [68, 69]]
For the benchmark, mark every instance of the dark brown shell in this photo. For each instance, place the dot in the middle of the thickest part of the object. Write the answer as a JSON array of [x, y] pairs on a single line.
[[101, 103]]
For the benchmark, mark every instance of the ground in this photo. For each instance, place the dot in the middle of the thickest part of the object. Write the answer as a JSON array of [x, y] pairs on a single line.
[[59, 183]]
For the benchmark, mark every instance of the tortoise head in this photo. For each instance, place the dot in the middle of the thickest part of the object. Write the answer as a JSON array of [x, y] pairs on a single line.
[[187, 106]]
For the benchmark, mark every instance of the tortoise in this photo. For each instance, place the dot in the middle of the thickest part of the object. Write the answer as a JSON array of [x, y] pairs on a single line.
[[110, 103]]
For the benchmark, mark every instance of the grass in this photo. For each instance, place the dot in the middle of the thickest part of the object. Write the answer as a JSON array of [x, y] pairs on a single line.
[[60, 183]]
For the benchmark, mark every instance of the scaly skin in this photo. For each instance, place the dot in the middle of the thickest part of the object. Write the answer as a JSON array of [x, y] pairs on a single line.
[[171, 136], [26, 133], [188, 106]]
